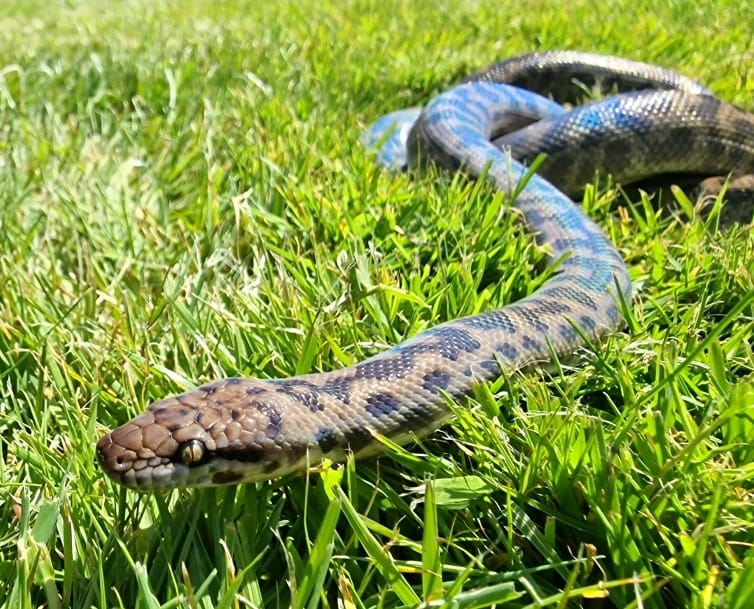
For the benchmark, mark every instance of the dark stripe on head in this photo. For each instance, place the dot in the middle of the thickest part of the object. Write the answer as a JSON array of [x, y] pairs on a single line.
[[245, 454], [226, 477]]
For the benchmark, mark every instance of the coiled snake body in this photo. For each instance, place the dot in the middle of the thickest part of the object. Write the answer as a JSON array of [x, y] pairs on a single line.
[[241, 430]]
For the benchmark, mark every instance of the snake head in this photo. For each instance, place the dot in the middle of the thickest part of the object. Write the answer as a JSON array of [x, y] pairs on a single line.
[[226, 432]]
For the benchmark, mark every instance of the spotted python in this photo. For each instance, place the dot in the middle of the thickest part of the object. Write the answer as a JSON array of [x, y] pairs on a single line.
[[244, 430]]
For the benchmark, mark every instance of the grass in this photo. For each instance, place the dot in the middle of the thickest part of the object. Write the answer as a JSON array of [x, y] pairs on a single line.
[[184, 198]]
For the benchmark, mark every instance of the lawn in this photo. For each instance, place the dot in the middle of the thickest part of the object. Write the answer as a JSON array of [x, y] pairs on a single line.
[[184, 198]]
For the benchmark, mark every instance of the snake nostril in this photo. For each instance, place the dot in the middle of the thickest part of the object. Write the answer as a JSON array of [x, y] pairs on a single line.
[[115, 463], [120, 464]]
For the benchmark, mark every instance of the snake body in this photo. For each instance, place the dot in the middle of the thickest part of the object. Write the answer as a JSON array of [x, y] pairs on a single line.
[[241, 429]]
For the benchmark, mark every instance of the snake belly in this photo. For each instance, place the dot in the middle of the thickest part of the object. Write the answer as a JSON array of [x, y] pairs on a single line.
[[244, 430]]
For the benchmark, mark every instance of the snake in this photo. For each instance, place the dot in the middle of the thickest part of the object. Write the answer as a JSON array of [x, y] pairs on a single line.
[[491, 126]]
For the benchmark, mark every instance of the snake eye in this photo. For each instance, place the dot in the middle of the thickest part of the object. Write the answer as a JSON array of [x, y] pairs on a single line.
[[192, 452]]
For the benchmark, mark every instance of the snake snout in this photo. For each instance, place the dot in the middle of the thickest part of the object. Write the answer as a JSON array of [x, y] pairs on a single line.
[[111, 457], [121, 463]]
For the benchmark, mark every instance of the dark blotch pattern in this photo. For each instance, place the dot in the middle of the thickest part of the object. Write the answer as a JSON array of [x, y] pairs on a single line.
[[416, 417], [454, 341], [302, 391], [539, 325], [532, 345], [325, 439], [357, 438], [436, 381], [392, 366], [492, 320], [311, 401], [381, 405], [340, 389], [245, 454], [296, 452], [490, 366], [568, 332], [507, 351], [271, 413]]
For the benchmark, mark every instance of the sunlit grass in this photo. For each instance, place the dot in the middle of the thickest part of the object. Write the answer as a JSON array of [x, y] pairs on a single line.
[[184, 198]]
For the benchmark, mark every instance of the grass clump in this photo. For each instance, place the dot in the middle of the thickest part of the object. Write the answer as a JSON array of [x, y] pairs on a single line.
[[184, 198]]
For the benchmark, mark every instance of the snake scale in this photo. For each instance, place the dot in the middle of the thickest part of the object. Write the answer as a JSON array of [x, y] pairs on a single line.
[[243, 430]]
